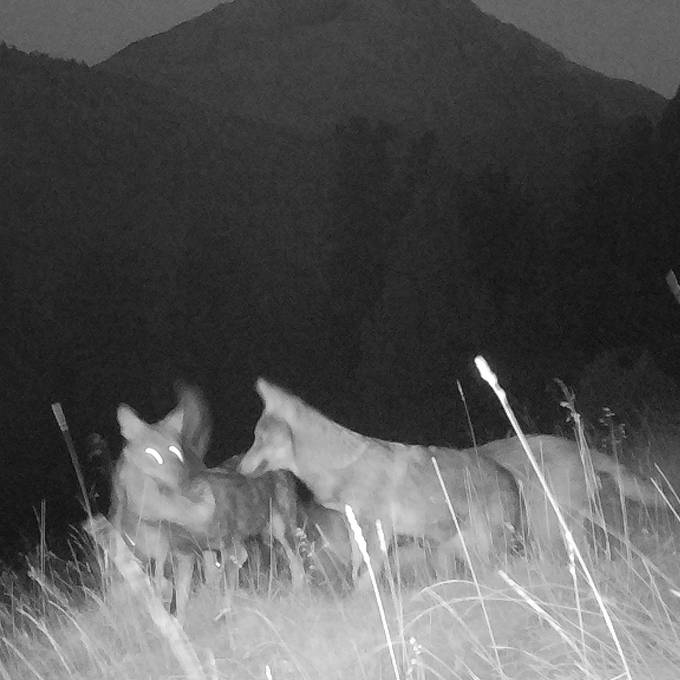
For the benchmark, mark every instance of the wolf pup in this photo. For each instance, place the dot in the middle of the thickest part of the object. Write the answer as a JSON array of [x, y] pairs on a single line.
[[327, 544]]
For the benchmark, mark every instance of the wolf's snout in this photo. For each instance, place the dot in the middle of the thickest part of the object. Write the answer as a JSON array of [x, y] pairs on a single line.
[[252, 467]]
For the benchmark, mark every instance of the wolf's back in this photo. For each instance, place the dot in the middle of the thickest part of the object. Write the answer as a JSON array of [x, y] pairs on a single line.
[[573, 484], [243, 505], [631, 485]]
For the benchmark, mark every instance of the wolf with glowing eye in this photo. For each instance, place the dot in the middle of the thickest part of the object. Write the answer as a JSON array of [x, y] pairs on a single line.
[[169, 507], [146, 499]]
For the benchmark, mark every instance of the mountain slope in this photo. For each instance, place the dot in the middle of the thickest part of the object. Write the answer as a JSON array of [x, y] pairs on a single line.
[[135, 234], [87, 147], [491, 92]]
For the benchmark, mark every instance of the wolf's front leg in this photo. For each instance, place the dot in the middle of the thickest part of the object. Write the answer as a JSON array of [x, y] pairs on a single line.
[[376, 554], [286, 540], [184, 572], [222, 566]]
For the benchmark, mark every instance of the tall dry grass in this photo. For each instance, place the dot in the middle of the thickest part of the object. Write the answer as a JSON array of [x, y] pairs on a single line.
[[603, 610], [534, 618]]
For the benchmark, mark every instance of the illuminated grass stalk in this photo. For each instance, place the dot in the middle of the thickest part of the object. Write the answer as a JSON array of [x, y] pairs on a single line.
[[394, 591], [669, 485], [109, 539], [542, 613], [361, 543], [487, 620], [488, 375], [665, 498], [66, 434]]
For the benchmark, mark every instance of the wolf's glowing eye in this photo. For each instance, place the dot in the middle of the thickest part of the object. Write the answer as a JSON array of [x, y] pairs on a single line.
[[154, 454], [177, 451]]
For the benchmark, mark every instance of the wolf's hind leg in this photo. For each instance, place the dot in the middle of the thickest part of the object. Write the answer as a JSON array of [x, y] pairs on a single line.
[[213, 568], [473, 543]]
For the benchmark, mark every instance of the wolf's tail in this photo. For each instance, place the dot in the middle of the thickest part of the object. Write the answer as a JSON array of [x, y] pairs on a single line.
[[631, 485]]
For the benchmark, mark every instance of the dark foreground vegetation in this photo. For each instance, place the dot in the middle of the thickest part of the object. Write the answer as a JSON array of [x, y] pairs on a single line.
[[539, 614]]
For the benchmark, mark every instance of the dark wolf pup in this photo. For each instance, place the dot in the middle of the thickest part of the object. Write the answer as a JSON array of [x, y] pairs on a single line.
[[328, 547], [386, 481], [170, 507]]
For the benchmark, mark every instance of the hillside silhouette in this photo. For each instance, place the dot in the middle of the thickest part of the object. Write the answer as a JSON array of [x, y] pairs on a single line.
[[492, 93]]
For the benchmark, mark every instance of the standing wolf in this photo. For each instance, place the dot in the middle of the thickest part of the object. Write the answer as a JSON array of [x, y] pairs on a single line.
[[386, 481], [340, 463], [169, 506], [145, 488]]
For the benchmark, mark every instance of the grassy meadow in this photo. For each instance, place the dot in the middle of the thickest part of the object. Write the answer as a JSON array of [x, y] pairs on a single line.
[[544, 616]]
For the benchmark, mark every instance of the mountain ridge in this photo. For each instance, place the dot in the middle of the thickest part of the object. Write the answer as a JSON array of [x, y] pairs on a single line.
[[491, 92]]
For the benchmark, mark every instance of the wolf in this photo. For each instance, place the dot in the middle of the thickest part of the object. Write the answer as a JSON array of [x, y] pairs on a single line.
[[387, 481], [170, 507], [145, 486], [574, 479]]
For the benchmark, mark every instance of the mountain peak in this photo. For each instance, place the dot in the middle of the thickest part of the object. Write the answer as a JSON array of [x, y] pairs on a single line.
[[311, 12], [491, 92]]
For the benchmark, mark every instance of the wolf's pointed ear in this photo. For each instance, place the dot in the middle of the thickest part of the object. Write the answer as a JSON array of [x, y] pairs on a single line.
[[269, 393], [276, 399], [174, 420], [196, 422], [261, 386], [131, 425]]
